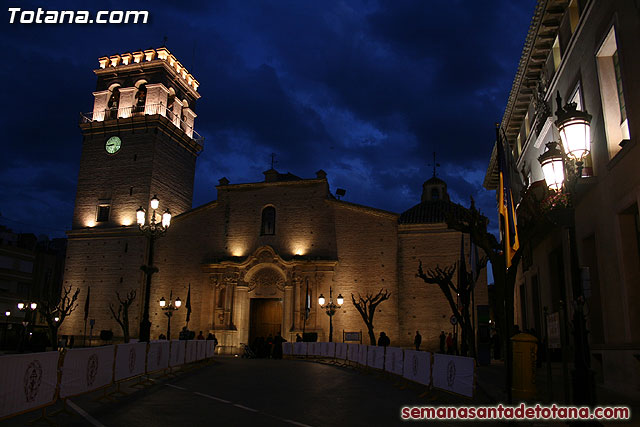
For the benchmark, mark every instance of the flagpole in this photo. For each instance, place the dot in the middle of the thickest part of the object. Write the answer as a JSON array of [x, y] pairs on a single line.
[[508, 322]]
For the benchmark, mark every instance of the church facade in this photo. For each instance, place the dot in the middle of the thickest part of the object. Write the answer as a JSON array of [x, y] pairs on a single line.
[[253, 257]]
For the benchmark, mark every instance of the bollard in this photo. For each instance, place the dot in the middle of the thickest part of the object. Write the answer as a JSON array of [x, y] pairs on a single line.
[[525, 348]]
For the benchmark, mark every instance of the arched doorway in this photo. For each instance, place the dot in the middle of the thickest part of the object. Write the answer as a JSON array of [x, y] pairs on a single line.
[[266, 285]]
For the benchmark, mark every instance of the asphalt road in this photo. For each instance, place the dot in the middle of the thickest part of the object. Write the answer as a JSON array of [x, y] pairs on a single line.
[[258, 392]]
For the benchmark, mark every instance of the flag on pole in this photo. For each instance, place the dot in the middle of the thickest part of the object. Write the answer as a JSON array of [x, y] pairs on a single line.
[[307, 303], [188, 304], [506, 206], [86, 304]]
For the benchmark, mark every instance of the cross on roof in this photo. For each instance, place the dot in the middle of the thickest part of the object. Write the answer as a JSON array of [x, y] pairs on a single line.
[[434, 164]]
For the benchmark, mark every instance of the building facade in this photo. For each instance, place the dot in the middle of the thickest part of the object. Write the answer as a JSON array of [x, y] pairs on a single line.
[[253, 256], [585, 51]]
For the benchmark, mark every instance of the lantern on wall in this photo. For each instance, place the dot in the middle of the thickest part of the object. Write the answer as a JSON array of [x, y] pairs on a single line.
[[552, 166]]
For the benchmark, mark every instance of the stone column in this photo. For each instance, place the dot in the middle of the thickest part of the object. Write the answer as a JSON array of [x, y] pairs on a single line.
[[287, 310], [100, 104], [189, 120], [127, 100], [241, 313], [156, 102], [296, 304]]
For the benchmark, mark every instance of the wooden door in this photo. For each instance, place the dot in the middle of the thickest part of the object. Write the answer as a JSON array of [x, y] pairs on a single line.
[[266, 318]]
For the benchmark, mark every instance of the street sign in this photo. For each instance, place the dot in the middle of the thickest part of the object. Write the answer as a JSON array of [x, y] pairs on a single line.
[[453, 320]]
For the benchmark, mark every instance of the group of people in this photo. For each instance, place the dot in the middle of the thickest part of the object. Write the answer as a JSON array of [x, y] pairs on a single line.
[[268, 348]]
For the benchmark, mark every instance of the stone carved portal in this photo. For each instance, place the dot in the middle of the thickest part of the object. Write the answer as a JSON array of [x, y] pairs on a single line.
[[266, 283]]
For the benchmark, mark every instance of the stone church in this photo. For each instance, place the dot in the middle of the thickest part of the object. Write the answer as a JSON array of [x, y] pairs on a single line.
[[250, 257]]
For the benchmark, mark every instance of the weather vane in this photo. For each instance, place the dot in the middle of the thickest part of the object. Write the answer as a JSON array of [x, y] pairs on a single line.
[[273, 160]]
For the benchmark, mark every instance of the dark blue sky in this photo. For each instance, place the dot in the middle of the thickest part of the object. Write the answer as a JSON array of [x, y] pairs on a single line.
[[364, 90]]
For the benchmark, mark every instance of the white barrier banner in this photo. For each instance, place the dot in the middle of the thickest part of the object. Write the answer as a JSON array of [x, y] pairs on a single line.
[[362, 357], [454, 373], [211, 348], [300, 348], [341, 350], [129, 360], [375, 357], [158, 355], [191, 351], [86, 369], [201, 351], [353, 352], [177, 352], [417, 366], [311, 349], [393, 360], [287, 348], [28, 381], [329, 349]]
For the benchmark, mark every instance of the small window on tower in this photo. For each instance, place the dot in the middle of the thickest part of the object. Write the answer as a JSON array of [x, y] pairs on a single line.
[[103, 213], [268, 221], [435, 194]]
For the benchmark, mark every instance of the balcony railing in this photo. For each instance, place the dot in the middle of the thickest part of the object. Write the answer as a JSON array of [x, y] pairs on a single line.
[[152, 109]]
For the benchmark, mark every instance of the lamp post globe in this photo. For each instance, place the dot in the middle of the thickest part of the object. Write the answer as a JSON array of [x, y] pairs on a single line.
[[574, 127], [552, 165]]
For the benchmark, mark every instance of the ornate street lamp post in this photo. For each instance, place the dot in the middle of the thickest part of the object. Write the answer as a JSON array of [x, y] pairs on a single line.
[[28, 309], [152, 230], [169, 309], [6, 326], [561, 173], [330, 309]]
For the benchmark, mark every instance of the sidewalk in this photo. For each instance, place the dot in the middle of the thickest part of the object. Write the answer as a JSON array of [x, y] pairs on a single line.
[[491, 384]]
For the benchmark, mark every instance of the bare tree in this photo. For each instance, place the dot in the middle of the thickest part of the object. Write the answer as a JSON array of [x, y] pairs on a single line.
[[122, 315], [366, 306], [443, 278], [59, 307]]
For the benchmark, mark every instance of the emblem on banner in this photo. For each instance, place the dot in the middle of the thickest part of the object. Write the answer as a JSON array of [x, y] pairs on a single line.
[[92, 369], [415, 365], [32, 380], [132, 359], [451, 373]]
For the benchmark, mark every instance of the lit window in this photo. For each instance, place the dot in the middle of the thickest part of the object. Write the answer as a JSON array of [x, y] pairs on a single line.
[[612, 94], [268, 221], [557, 55]]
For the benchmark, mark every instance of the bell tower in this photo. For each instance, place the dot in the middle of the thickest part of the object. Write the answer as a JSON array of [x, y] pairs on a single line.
[[139, 140]]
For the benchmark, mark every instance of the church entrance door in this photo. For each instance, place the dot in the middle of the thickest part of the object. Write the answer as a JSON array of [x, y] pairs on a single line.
[[265, 318]]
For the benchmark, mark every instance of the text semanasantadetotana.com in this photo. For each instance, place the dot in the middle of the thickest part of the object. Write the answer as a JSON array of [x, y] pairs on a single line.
[[522, 412]]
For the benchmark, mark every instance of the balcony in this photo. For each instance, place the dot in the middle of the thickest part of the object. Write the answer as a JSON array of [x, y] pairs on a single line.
[[139, 111]]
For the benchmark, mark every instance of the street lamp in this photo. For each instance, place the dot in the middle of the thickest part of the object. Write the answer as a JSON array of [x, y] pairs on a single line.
[[330, 308], [575, 132], [6, 325], [27, 309], [169, 309], [152, 230]]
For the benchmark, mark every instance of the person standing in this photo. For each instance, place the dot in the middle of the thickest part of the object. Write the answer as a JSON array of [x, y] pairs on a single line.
[[417, 340], [449, 344], [384, 340], [443, 338], [277, 346]]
